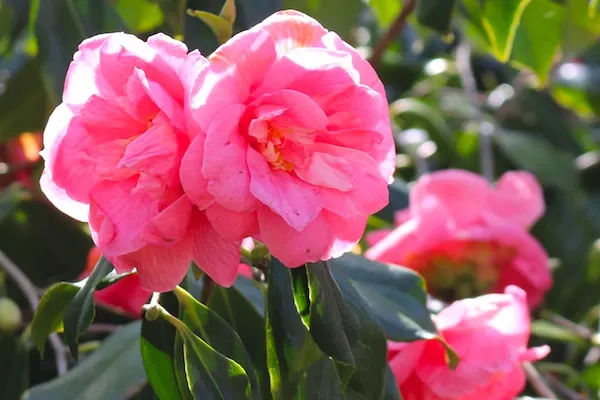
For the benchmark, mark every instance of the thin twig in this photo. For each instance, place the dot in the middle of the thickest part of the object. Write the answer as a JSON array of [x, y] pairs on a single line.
[[580, 330], [391, 34], [463, 66], [103, 328], [537, 382], [30, 291]]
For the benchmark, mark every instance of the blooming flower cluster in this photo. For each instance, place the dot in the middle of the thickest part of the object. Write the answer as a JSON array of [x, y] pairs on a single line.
[[282, 134]]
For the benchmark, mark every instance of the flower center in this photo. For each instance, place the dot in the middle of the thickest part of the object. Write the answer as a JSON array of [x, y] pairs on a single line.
[[460, 269], [270, 142]]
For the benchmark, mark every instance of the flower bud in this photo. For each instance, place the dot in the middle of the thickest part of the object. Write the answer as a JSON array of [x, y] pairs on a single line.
[[10, 315]]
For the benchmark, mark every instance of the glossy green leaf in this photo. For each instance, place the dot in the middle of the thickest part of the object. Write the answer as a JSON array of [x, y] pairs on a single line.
[[249, 324], [339, 16], [158, 348], [14, 367], [80, 313], [49, 313], [395, 294], [140, 15], [297, 368], [111, 372], [213, 330], [436, 14], [332, 325]]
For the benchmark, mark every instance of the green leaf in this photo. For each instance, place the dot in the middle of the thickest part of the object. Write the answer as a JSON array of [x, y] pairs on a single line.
[[501, 20], [436, 14], [385, 10], [80, 313], [581, 25], [158, 347], [49, 313], [249, 324], [332, 325], [10, 197], [23, 102], [228, 12], [396, 296], [297, 368], [14, 367], [220, 26], [538, 37], [140, 15], [210, 374], [552, 166], [369, 349], [111, 372], [212, 329], [339, 16]]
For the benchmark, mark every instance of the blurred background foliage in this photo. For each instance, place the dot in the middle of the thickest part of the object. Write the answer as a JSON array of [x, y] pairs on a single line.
[[485, 85]]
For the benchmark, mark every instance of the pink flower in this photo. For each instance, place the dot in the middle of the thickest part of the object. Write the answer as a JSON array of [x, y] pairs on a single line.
[[292, 140], [126, 296], [489, 334], [113, 150], [467, 238]]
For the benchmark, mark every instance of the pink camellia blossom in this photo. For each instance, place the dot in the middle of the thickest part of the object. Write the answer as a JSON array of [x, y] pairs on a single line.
[[468, 238], [292, 142], [489, 334], [127, 295], [112, 155]]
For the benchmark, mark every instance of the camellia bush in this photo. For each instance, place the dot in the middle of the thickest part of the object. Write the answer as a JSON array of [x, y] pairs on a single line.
[[299, 199]]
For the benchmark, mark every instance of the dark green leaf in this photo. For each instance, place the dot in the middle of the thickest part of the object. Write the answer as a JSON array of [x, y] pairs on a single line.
[[332, 325], [436, 14], [254, 11], [210, 374], [398, 200], [249, 324], [14, 367], [49, 314], [219, 25], [294, 359], [212, 329], [337, 15], [396, 296], [80, 313], [369, 350], [158, 347], [391, 391], [552, 166], [110, 372], [23, 102], [10, 197]]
